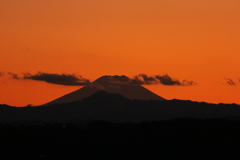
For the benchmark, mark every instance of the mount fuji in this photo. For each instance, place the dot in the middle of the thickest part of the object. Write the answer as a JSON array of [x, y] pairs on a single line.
[[111, 84], [115, 99]]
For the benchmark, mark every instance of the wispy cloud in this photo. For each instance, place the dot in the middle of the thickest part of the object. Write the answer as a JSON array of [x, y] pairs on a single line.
[[54, 78], [230, 82], [13, 75], [161, 79]]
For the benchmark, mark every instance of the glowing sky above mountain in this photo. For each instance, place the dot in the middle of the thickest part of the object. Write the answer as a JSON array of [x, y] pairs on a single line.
[[187, 40]]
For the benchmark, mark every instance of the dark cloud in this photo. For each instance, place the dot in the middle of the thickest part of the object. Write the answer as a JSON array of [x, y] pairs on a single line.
[[160, 79], [62, 79], [13, 75], [167, 80], [144, 79], [230, 82]]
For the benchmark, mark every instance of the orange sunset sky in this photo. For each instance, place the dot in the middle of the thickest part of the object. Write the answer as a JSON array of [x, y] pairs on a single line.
[[194, 40]]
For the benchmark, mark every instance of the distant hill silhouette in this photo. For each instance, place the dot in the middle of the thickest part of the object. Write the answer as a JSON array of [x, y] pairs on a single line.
[[110, 107], [112, 84]]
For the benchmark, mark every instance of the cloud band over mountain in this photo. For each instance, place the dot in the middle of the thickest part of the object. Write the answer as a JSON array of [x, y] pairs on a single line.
[[143, 79], [62, 79], [77, 80]]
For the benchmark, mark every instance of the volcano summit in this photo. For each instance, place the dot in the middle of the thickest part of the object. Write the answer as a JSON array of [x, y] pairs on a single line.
[[112, 84]]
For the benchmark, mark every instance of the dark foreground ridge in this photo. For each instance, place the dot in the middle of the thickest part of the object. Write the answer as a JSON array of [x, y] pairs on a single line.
[[110, 126], [105, 106], [173, 139]]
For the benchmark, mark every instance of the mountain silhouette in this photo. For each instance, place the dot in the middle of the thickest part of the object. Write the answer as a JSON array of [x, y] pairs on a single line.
[[112, 84], [111, 107]]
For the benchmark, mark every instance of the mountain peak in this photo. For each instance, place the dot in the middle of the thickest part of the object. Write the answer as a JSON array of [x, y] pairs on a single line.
[[107, 79]]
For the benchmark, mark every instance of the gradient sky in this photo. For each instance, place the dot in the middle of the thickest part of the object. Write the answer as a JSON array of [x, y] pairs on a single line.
[[194, 40]]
